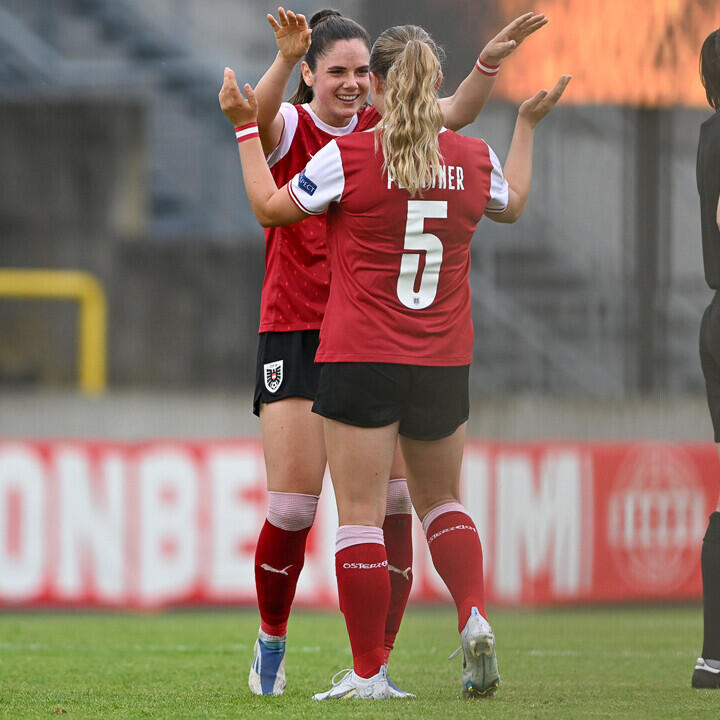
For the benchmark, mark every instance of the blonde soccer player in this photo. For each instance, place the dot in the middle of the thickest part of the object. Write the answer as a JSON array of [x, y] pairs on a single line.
[[329, 103]]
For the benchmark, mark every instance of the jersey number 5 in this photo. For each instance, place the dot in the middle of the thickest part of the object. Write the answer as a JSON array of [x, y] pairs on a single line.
[[417, 241]]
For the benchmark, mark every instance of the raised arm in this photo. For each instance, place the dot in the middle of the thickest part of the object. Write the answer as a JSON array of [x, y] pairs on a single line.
[[271, 206], [461, 108], [292, 36], [518, 166]]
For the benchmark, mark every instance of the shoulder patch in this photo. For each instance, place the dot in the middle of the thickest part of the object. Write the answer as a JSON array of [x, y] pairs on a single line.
[[306, 184]]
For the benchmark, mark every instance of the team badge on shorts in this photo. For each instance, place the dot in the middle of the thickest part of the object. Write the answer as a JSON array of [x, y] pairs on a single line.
[[273, 375]]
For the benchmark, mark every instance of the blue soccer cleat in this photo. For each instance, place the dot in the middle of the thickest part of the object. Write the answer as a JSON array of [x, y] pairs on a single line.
[[267, 674]]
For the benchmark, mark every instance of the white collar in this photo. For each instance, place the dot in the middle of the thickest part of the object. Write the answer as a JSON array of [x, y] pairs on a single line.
[[330, 129]]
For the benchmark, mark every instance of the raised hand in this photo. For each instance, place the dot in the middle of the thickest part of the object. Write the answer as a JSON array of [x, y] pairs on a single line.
[[237, 109], [511, 36], [534, 109], [292, 34]]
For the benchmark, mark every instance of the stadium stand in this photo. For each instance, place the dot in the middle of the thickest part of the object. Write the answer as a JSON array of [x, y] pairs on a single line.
[[559, 303]]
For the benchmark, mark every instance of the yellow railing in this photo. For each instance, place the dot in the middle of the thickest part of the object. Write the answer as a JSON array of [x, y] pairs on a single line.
[[70, 285]]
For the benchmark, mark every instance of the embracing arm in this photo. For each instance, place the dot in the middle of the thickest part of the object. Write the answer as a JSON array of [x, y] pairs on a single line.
[[292, 36], [271, 206], [461, 108], [518, 166]]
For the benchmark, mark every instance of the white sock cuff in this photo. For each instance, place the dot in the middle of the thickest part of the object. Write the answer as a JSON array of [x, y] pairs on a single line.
[[435, 513], [271, 638], [291, 511], [349, 535], [398, 498]]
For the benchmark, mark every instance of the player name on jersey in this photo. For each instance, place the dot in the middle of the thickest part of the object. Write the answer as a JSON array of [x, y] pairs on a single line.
[[450, 177]]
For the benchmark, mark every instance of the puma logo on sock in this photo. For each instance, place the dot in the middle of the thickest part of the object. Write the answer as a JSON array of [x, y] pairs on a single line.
[[269, 568], [405, 573]]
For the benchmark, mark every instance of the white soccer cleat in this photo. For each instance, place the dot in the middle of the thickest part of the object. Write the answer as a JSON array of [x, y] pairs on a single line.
[[396, 692], [267, 673], [352, 687], [480, 677]]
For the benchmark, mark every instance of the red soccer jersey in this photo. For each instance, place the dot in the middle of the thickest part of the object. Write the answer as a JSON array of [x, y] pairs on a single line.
[[400, 291], [297, 271]]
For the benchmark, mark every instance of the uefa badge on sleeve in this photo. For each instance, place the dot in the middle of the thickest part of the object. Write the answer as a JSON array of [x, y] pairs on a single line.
[[273, 375]]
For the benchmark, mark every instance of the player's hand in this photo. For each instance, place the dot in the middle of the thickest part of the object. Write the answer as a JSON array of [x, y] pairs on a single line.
[[292, 34], [237, 109], [539, 105], [511, 36]]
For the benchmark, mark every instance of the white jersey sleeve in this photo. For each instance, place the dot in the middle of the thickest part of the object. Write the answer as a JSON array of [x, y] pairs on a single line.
[[290, 116], [321, 182], [498, 200]]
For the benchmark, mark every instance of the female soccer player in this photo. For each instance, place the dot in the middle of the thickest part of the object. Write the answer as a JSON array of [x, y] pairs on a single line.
[[396, 341], [330, 102], [707, 668]]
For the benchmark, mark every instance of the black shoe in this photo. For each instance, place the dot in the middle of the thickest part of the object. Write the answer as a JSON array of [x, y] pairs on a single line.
[[706, 674]]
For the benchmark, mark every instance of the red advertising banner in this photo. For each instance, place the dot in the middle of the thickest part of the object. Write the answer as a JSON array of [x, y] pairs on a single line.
[[164, 523]]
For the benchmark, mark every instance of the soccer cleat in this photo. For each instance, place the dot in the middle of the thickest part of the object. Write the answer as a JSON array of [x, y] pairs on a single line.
[[395, 691], [267, 673], [480, 677], [352, 687], [706, 674]]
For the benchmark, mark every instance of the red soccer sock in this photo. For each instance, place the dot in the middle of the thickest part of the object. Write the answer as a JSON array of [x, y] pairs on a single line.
[[397, 531], [364, 594], [457, 556], [279, 558]]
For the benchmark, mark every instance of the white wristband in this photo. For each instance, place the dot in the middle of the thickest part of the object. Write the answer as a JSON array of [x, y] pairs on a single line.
[[247, 132], [485, 69]]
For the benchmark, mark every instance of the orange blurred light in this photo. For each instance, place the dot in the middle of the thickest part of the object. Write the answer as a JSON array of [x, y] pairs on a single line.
[[630, 52]]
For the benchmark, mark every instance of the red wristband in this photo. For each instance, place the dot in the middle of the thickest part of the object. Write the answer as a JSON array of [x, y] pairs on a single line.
[[247, 132], [485, 69]]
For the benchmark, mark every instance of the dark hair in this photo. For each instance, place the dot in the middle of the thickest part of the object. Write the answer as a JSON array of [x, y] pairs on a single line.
[[710, 68], [328, 26]]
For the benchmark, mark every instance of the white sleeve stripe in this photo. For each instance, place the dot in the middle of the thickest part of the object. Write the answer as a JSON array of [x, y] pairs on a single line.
[[296, 200], [498, 200], [290, 117], [322, 182]]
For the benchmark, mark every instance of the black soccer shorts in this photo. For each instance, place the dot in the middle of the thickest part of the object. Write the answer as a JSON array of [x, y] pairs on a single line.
[[286, 366], [430, 402]]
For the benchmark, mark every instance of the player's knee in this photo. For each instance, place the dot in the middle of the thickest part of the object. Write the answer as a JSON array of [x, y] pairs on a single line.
[[291, 511], [398, 498]]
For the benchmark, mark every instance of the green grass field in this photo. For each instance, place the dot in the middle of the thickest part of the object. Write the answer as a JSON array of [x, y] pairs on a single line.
[[619, 663]]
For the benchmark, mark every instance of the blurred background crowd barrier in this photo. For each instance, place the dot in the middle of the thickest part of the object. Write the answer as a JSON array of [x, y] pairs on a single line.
[[117, 162]]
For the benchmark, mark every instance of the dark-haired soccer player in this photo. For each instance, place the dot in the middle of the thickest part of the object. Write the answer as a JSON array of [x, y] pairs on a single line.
[[330, 102], [396, 339]]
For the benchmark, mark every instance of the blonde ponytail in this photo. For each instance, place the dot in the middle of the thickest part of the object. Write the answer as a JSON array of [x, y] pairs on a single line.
[[407, 60]]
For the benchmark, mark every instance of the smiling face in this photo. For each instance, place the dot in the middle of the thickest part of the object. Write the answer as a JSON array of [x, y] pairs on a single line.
[[340, 82]]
